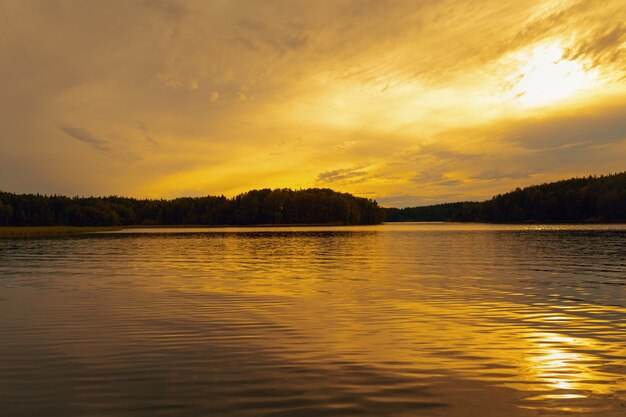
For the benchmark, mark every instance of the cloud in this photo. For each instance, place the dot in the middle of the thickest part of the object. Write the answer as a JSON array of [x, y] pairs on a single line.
[[259, 36], [171, 8], [341, 174], [399, 98], [84, 136], [146, 133], [587, 27], [496, 174], [435, 178], [287, 146], [442, 152], [602, 46], [597, 127]]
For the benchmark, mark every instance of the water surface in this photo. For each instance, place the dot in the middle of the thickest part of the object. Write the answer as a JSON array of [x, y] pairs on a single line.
[[389, 320]]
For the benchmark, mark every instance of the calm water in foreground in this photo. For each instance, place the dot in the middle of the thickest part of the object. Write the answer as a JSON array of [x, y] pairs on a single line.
[[390, 320]]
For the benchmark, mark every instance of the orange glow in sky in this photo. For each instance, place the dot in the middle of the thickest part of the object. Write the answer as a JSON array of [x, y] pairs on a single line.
[[408, 103]]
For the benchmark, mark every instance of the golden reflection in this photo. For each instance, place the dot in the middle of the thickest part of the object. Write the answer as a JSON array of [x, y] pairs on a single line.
[[561, 363], [555, 397], [418, 322]]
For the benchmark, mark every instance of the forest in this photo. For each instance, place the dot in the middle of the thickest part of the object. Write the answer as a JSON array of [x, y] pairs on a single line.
[[266, 206], [589, 199]]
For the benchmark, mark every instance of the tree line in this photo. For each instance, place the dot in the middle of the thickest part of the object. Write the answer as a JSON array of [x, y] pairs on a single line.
[[433, 213], [265, 206], [588, 199]]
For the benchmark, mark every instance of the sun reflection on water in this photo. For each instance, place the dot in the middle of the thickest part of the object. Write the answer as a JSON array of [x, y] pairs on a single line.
[[365, 318]]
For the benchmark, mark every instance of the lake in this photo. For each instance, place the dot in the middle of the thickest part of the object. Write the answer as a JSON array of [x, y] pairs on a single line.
[[389, 320]]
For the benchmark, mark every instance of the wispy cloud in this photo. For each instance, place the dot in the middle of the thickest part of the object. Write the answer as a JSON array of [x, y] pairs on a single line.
[[436, 178], [146, 133], [84, 136], [414, 99], [496, 174], [341, 174], [602, 45], [603, 126]]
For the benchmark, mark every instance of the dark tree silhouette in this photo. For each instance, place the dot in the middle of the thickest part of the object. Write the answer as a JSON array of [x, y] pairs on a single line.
[[590, 199], [279, 206]]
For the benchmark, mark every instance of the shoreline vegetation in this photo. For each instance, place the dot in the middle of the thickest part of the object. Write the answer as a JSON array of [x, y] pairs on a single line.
[[577, 200], [61, 231], [256, 207], [22, 232], [50, 231]]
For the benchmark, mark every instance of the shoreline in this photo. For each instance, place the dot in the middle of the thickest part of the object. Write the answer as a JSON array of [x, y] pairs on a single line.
[[17, 232], [9, 232]]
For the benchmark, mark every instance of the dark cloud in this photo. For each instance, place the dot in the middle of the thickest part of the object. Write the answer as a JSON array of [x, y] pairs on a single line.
[[592, 129], [577, 159], [259, 36], [146, 133], [246, 43], [444, 153], [435, 178], [82, 135], [544, 25], [603, 46], [494, 174], [287, 146], [364, 82], [172, 8], [441, 153], [341, 174], [592, 34]]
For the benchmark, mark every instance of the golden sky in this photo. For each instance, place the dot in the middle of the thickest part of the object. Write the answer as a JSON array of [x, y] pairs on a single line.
[[408, 102]]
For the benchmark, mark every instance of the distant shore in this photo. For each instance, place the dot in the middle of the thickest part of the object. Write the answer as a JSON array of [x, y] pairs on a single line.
[[50, 231], [8, 232], [59, 231]]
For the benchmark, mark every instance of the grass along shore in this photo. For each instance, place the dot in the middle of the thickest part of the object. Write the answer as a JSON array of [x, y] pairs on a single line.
[[59, 231], [47, 231]]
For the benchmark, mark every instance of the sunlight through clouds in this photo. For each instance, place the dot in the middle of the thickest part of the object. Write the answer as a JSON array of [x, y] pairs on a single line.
[[250, 94], [546, 77]]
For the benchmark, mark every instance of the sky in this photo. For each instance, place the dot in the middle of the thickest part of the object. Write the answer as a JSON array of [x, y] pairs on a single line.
[[406, 102]]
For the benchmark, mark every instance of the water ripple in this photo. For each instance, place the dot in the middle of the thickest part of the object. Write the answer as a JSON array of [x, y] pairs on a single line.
[[392, 320]]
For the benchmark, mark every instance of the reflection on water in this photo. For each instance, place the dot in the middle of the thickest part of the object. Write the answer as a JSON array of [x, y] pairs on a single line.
[[426, 319]]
